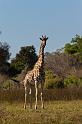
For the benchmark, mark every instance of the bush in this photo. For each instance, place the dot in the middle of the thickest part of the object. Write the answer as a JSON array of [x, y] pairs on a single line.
[[54, 83], [49, 83], [26, 57], [49, 79], [72, 81], [8, 84]]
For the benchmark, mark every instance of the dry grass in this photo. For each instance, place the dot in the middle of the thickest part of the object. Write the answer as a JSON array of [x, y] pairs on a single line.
[[55, 112], [49, 95], [62, 106]]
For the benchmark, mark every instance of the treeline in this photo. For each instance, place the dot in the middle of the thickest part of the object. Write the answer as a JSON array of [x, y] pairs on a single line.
[[23, 61], [63, 68]]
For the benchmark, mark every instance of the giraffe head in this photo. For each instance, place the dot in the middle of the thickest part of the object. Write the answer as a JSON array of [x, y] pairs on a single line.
[[43, 40]]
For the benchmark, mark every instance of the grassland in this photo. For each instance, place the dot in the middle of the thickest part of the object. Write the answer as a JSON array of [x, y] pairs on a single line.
[[65, 110], [56, 112]]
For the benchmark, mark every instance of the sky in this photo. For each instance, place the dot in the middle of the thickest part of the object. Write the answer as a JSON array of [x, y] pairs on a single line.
[[22, 22]]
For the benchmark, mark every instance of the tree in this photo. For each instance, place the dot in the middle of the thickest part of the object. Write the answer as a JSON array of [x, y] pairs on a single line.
[[4, 57], [59, 63], [67, 61], [25, 58], [75, 46], [63, 65], [52, 80], [4, 52]]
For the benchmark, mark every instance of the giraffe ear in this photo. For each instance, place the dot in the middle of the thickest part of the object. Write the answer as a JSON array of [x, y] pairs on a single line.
[[47, 38], [40, 38]]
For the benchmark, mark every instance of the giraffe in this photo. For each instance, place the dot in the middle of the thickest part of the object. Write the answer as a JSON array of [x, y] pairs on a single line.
[[36, 76]]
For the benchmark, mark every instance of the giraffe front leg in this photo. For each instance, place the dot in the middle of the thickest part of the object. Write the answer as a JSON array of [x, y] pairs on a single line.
[[30, 93], [36, 94], [42, 102], [25, 97]]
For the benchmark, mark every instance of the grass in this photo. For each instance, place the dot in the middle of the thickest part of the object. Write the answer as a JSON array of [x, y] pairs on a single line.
[[55, 112], [49, 94], [62, 106]]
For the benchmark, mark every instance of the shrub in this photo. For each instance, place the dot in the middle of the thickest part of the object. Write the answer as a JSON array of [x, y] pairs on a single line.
[[53, 83], [49, 83], [8, 84], [72, 81], [49, 79]]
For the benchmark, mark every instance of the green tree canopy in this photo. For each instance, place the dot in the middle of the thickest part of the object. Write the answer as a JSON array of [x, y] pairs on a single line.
[[4, 57], [4, 52], [75, 46], [25, 58]]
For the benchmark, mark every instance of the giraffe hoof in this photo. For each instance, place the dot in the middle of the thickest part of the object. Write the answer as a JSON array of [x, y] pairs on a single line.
[[42, 107], [24, 106], [35, 107]]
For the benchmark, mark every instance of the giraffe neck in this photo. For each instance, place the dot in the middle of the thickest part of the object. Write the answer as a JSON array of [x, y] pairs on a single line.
[[41, 54], [40, 61], [41, 51]]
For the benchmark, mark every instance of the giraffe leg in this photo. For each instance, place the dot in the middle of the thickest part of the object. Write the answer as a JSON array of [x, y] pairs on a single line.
[[25, 97], [30, 93], [42, 102], [36, 94]]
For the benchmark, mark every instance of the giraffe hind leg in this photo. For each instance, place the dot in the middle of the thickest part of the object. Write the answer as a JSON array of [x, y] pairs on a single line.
[[30, 93], [36, 94], [42, 102], [25, 97]]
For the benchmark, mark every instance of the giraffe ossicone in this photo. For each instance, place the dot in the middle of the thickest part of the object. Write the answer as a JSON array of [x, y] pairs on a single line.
[[36, 76]]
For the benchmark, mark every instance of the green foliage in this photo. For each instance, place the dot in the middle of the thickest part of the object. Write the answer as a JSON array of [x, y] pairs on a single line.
[[25, 58], [75, 46], [4, 52], [52, 81], [4, 57], [71, 48], [49, 74], [49, 84], [72, 81], [8, 84], [49, 79]]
